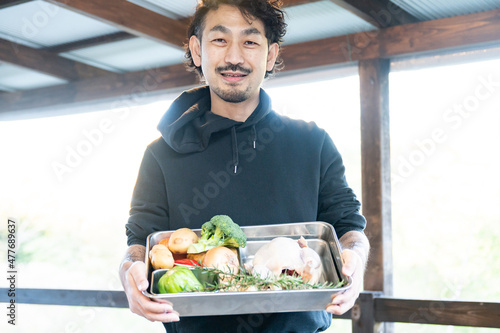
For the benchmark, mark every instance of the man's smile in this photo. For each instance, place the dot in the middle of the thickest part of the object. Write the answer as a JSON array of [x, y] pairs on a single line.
[[233, 73], [233, 77]]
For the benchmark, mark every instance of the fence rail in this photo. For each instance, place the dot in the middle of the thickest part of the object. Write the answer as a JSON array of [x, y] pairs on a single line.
[[71, 297], [456, 313], [371, 308]]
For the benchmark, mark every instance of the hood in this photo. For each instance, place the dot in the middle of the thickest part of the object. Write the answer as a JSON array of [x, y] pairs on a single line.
[[188, 124]]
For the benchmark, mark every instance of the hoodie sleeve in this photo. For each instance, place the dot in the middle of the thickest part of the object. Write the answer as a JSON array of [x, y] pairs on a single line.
[[149, 210], [338, 204]]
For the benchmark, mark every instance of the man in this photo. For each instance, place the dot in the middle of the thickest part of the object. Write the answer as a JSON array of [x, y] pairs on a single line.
[[224, 151]]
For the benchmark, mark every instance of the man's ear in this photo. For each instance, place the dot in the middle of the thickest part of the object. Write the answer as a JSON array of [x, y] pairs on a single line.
[[272, 54], [195, 48]]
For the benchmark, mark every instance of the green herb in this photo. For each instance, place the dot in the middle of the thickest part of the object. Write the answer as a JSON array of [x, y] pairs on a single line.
[[244, 281]]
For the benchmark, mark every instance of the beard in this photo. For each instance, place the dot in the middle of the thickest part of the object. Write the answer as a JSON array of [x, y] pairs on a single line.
[[232, 94]]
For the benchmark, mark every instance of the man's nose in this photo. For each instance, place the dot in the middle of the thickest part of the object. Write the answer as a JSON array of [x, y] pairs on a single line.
[[234, 54]]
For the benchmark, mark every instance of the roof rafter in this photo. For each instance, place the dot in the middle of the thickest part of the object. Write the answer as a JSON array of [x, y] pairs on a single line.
[[46, 62], [134, 85], [10, 3], [89, 42], [444, 34], [131, 18], [122, 35], [289, 3], [380, 13]]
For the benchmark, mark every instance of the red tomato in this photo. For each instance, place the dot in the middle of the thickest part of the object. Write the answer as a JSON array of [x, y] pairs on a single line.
[[186, 262]]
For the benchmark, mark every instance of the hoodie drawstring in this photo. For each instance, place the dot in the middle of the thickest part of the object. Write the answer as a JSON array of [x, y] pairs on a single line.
[[235, 149], [254, 135], [236, 157]]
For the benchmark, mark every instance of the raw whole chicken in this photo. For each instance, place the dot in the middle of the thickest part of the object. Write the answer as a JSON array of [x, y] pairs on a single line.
[[285, 253]]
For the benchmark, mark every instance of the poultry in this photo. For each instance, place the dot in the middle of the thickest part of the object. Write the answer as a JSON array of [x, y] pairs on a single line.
[[283, 253]]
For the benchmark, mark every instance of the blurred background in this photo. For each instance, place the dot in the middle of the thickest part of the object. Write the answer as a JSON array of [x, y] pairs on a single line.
[[67, 181]]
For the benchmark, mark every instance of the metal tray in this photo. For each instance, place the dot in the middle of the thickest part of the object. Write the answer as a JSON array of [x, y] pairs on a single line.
[[320, 237]]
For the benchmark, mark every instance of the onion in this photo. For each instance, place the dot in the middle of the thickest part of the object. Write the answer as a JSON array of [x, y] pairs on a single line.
[[181, 239], [222, 258]]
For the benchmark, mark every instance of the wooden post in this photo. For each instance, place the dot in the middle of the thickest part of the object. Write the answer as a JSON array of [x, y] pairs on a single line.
[[375, 164], [363, 314]]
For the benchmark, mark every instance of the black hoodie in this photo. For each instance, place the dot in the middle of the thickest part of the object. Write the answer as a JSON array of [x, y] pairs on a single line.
[[269, 169]]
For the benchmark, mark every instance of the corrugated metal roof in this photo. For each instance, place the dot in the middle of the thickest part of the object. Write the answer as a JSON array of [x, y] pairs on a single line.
[[128, 55], [435, 9], [41, 24], [172, 9], [14, 78], [327, 18]]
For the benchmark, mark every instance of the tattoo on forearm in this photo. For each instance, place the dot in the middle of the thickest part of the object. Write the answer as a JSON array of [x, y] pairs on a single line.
[[135, 253]]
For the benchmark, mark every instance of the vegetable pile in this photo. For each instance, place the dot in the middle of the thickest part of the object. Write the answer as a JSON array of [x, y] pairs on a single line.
[[210, 262], [216, 280]]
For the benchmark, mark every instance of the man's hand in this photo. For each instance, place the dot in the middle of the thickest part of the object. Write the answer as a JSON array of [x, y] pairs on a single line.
[[134, 281], [354, 257], [352, 266]]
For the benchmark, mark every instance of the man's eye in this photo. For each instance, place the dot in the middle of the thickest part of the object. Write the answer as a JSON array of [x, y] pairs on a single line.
[[249, 42], [219, 40]]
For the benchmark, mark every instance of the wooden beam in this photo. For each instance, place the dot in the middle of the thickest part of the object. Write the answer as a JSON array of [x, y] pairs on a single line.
[[286, 3], [376, 173], [347, 5], [46, 62], [10, 3], [363, 314], [358, 12], [457, 32], [73, 297], [380, 13], [133, 85], [131, 18], [94, 41], [438, 312], [446, 33], [290, 3], [330, 51], [398, 15], [384, 309], [460, 32]]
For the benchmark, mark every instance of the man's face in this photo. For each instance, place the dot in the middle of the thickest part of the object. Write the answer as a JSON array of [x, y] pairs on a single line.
[[233, 54]]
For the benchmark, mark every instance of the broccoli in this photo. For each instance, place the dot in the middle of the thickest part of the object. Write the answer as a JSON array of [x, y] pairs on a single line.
[[219, 231]]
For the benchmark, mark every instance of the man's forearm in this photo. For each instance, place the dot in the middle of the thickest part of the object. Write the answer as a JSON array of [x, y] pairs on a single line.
[[356, 241], [134, 253]]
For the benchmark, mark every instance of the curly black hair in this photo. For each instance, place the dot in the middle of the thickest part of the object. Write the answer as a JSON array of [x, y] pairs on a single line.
[[268, 11]]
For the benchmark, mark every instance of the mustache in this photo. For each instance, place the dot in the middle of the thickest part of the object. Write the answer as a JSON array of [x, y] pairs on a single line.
[[233, 68]]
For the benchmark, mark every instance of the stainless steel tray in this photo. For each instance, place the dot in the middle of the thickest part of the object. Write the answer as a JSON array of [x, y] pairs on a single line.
[[320, 237]]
